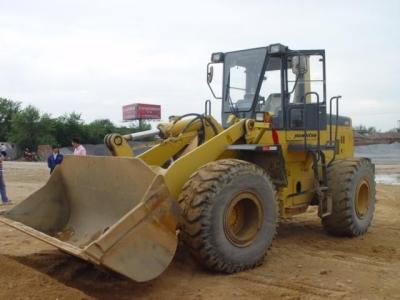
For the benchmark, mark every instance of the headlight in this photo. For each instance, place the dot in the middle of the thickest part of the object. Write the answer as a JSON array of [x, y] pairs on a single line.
[[276, 48], [260, 117], [217, 57]]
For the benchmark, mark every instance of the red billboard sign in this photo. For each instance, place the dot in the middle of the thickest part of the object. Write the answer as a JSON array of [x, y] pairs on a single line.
[[141, 111]]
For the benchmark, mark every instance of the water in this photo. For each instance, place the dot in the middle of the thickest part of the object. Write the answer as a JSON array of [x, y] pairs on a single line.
[[393, 179], [381, 154], [385, 155]]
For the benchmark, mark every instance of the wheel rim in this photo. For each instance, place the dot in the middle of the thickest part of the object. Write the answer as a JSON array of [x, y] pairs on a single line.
[[243, 219], [362, 198]]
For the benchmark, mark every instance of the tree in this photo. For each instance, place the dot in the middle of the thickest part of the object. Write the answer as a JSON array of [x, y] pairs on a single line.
[[96, 130], [365, 129], [142, 126], [29, 128], [69, 126], [8, 109]]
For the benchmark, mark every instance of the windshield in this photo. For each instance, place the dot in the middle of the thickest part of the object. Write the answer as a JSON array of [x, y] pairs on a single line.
[[242, 71]]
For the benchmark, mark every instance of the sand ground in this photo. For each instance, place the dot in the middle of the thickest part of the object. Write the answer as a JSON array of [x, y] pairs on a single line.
[[304, 262]]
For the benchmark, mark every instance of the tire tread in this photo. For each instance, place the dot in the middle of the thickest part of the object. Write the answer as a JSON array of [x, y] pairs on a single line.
[[341, 174], [197, 194]]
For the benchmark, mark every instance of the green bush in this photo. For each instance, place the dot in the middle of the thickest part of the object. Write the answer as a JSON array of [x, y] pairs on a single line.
[[29, 128]]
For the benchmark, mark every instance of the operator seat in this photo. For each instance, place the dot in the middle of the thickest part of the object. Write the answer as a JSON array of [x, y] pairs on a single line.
[[273, 104], [245, 104]]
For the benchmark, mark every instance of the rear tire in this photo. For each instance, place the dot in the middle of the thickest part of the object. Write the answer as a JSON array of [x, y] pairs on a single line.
[[229, 215], [351, 184]]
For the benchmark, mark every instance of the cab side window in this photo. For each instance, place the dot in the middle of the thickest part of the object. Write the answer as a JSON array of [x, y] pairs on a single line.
[[305, 74]]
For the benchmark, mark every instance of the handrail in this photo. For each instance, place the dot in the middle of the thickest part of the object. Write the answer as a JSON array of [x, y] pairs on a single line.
[[207, 108], [305, 119], [337, 98], [303, 108]]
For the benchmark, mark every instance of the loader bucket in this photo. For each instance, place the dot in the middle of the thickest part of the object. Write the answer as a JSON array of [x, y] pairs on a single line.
[[112, 211]]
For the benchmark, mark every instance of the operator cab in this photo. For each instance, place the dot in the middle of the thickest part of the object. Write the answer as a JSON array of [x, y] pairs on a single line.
[[288, 85]]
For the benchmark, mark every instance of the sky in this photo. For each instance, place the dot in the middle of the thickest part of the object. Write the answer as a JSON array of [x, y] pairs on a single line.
[[94, 56]]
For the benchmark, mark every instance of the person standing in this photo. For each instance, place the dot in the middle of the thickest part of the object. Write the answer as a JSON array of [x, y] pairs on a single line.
[[79, 150], [3, 193], [55, 158]]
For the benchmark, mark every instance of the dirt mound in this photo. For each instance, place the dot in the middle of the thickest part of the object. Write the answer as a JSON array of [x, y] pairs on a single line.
[[100, 283], [18, 281], [303, 263]]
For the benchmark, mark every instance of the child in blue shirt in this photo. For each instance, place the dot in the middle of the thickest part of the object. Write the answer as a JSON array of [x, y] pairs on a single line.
[[55, 158]]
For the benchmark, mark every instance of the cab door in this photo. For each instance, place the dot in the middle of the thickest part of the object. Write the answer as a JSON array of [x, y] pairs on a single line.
[[305, 96]]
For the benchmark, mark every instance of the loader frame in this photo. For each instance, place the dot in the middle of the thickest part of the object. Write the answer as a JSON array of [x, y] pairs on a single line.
[[123, 213]]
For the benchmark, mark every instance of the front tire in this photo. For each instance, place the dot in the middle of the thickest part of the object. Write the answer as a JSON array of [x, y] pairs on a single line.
[[229, 215], [351, 184]]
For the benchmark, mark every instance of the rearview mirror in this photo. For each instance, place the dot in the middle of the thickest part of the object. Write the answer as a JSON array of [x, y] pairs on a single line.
[[215, 85], [210, 74], [299, 64]]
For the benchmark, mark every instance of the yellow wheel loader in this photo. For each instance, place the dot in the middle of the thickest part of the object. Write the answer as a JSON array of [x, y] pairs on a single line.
[[218, 187]]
